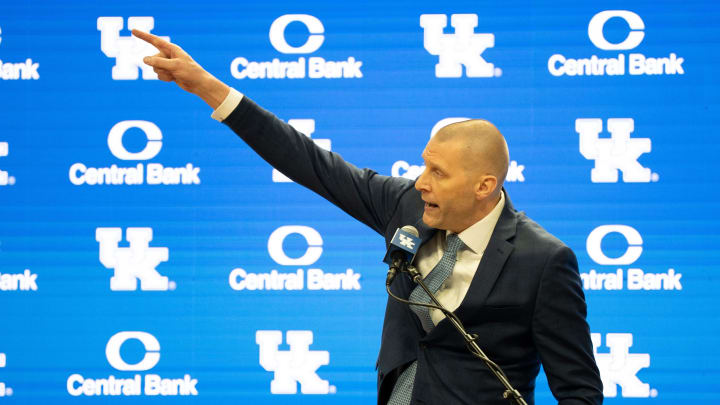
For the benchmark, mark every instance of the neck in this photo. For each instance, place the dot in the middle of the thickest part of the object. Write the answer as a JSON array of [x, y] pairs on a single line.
[[484, 208]]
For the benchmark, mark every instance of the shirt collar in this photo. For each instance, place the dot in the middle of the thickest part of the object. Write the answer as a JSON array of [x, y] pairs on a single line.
[[477, 236]]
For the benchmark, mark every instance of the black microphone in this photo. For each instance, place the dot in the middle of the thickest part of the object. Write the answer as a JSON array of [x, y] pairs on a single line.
[[401, 251]]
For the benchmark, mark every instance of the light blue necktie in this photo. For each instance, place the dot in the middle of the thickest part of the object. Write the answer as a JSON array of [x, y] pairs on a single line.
[[402, 391]]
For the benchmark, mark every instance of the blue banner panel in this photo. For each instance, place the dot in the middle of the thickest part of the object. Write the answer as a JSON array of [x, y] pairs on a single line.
[[147, 252]]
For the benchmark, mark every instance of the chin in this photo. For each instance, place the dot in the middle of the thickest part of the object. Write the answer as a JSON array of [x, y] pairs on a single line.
[[433, 223]]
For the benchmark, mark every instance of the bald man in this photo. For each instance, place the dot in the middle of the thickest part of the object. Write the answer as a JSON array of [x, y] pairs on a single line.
[[509, 281], [465, 166]]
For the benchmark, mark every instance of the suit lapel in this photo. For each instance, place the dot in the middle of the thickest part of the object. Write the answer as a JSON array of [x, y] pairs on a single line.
[[492, 262]]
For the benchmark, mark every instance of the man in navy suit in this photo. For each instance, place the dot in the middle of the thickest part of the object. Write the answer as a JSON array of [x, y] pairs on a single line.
[[508, 280]]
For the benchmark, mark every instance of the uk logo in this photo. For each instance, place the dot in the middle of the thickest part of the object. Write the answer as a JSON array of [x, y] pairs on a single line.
[[462, 48], [620, 152], [620, 367], [128, 51], [307, 128], [297, 365], [407, 242], [136, 262]]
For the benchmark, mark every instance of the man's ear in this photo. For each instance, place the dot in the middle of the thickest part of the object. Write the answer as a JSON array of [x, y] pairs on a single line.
[[485, 187]]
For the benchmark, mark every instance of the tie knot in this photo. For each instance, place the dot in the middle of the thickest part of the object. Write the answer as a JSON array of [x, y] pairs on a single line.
[[453, 243]]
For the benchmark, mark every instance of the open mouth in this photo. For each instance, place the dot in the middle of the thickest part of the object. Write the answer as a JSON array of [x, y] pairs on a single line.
[[430, 205]]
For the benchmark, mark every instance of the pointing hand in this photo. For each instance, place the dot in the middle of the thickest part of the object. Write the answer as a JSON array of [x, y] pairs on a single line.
[[173, 64]]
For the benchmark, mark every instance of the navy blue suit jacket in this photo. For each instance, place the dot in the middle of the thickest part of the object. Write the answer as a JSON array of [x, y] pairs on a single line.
[[525, 302]]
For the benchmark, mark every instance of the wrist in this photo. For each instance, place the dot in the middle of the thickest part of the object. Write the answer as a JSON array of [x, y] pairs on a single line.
[[212, 91]]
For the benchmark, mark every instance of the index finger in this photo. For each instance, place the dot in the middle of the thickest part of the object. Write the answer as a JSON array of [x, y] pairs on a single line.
[[159, 43]]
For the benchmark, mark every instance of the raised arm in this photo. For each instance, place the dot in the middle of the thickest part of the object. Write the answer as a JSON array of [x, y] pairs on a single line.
[[362, 193]]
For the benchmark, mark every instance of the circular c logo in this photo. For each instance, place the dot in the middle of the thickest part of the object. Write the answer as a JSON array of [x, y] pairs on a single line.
[[152, 133], [314, 26], [633, 39], [633, 238], [152, 351], [311, 255]]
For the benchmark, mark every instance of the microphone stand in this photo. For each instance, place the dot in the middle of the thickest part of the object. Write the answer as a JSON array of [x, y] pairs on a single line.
[[511, 394]]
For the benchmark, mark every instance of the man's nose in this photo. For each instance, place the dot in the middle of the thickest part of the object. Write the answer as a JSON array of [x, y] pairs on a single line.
[[420, 183]]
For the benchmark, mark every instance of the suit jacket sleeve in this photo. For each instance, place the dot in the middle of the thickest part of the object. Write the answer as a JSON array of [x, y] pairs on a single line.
[[562, 335], [362, 193]]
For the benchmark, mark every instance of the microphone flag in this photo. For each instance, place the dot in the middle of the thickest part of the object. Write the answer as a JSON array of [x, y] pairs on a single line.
[[406, 241]]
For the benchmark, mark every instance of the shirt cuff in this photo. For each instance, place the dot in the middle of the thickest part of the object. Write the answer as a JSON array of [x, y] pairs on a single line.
[[227, 106]]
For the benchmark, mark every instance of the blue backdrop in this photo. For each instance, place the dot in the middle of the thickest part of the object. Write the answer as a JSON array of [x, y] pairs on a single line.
[[166, 281]]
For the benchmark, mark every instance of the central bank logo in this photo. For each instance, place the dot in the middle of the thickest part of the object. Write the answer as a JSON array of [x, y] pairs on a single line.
[[402, 168], [312, 238], [25, 281], [150, 173], [5, 391], [127, 51], [634, 36], [313, 67], [297, 365], [464, 47], [314, 27], [632, 252], [149, 342], [307, 128], [636, 64], [152, 134], [133, 263], [132, 385], [27, 70], [620, 367], [5, 178], [629, 251], [620, 152], [299, 278]]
